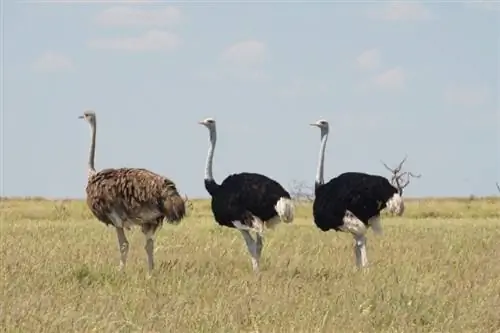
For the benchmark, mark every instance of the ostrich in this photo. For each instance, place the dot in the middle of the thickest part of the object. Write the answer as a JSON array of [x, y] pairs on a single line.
[[352, 201], [246, 201], [126, 197]]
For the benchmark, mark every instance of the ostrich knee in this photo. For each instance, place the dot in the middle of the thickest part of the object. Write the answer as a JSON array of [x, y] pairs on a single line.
[[259, 244], [123, 246], [252, 249], [149, 247], [360, 250]]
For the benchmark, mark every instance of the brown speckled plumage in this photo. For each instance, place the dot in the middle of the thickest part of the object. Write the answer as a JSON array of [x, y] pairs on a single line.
[[136, 195], [125, 197]]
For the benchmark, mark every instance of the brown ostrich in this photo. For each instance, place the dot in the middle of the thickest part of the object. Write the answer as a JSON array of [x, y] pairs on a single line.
[[127, 197]]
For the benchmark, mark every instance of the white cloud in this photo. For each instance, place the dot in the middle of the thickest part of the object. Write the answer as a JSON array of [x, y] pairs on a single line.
[[370, 59], [130, 16], [392, 79], [243, 61], [153, 40], [246, 53], [404, 11], [468, 95], [53, 62]]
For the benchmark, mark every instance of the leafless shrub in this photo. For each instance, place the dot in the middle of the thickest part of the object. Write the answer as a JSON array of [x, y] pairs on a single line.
[[399, 178], [301, 191]]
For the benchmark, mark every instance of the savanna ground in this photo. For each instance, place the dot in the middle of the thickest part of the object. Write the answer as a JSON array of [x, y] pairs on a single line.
[[435, 270]]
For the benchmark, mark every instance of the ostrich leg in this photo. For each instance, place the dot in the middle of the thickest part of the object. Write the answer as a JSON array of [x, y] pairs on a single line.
[[123, 246]]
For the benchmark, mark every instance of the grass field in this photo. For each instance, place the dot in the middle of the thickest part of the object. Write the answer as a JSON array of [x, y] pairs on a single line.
[[435, 270]]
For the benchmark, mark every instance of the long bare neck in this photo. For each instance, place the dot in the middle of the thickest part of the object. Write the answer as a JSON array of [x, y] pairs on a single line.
[[321, 161], [210, 157], [91, 166]]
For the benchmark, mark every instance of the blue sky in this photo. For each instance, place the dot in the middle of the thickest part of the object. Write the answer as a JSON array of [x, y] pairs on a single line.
[[391, 78]]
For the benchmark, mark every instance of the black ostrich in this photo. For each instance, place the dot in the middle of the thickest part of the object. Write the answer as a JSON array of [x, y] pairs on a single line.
[[352, 201], [246, 201]]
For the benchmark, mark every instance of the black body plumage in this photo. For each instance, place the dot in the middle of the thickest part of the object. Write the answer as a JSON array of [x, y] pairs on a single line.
[[362, 194], [246, 201], [242, 195]]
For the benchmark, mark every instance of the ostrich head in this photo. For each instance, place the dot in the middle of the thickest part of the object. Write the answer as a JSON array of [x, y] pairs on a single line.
[[208, 123], [322, 125], [89, 116]]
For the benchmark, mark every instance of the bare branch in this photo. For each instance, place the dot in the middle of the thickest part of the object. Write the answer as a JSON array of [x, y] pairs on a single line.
[[300, 191], [401, 179], [386, 166], [400, 166], [411, 174], [498, 187]]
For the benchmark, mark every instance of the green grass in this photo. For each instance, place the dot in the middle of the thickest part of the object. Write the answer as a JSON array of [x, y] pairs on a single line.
[[435, 270]]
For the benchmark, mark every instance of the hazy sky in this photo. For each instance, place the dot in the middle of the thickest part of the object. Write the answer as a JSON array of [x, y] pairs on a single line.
[[391, 78]]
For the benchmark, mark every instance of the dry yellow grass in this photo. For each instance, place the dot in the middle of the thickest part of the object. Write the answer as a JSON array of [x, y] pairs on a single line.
[[435, 270]]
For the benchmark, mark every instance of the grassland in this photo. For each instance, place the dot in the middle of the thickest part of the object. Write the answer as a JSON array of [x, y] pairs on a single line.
[[435, 270]]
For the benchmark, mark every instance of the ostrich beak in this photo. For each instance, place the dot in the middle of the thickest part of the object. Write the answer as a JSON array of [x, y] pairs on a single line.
[[80, 117]]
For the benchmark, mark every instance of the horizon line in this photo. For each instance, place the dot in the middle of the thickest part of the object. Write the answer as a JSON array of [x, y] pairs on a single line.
[[412, 198]]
